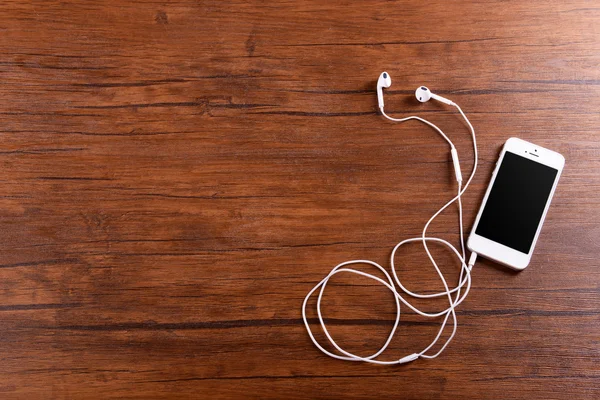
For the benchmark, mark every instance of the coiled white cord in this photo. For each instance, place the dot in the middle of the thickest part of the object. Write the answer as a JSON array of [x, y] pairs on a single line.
[[464, 279]]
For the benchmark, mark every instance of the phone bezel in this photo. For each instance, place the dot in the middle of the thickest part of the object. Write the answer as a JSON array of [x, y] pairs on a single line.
[[499, 252]]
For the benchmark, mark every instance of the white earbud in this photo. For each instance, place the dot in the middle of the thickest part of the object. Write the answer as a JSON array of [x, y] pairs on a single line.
[[384, 81], [423, 94]]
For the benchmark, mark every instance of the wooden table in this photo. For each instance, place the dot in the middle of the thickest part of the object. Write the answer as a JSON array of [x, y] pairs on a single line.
[[177, 175]]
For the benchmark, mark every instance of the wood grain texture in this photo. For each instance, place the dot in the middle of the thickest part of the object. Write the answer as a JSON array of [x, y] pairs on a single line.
[[175, 176]]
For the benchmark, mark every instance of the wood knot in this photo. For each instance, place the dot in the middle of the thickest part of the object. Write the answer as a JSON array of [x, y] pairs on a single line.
[[161, 18]]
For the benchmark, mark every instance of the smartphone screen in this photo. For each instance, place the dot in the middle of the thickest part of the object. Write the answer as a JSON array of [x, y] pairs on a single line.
[[516, 202]]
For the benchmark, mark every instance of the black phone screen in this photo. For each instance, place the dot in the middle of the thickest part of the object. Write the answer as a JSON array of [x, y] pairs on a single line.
[[516, 202]]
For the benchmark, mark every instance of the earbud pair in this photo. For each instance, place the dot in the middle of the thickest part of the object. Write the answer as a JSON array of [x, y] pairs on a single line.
[[395, 285], [422, 93]]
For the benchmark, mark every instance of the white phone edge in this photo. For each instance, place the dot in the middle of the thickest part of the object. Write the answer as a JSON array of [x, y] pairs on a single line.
[[495, 251]]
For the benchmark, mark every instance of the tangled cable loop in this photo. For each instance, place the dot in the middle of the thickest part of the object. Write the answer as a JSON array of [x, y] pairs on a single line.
[[453, 302]]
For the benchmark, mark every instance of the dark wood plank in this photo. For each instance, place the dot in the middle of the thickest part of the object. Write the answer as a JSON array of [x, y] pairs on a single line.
[[177, 175]]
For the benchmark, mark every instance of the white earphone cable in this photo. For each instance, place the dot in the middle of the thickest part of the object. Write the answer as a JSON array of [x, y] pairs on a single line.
[[464, 279]]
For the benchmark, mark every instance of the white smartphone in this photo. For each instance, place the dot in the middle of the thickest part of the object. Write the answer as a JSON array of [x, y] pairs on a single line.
[[515, 204]]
